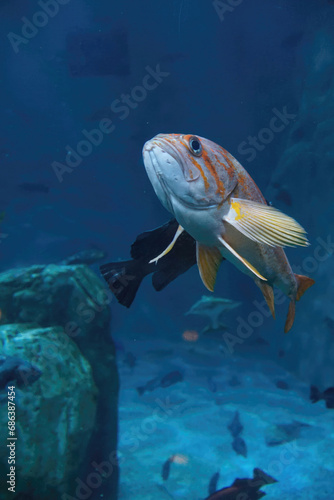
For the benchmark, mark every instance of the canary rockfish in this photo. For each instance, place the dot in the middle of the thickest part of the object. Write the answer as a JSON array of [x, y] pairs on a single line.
[[218, 204]]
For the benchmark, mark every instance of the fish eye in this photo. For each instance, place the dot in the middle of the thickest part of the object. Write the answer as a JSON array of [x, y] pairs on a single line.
[[195, 146]]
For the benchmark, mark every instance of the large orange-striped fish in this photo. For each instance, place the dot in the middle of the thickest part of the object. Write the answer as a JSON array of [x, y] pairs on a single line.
[[216, 202]]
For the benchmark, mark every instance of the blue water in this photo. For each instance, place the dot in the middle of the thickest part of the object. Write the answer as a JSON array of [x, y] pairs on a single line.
[[84, 85]]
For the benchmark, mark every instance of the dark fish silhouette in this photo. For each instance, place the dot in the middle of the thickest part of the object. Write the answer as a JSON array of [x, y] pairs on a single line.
[[239, 446], [171, 379], [34, 187], [245, 489], [235, 427], [89, 256], [166, 469], [152, 384], [130, 359], [19, 371], [125, 277], [281, 384], [167, 380], [213, 483], [327, 395], [285, 433]]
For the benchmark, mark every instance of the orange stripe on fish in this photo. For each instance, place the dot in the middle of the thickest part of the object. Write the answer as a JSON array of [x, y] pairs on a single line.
[[195, 163], [231, 168], [201, 171], [211, 168]]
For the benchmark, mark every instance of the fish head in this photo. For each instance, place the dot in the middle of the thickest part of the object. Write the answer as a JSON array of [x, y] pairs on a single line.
[[190, 170]]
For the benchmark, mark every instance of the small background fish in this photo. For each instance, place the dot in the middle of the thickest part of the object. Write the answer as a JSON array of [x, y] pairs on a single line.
[[214, 309], [81, 96]]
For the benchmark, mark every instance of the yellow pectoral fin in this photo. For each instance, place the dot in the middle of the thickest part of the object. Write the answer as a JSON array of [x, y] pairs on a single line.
[[242, 259], [170, 246], [265, 224], [208, 261]]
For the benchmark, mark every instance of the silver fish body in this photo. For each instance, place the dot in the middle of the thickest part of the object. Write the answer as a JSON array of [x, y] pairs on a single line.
[[216, 201]]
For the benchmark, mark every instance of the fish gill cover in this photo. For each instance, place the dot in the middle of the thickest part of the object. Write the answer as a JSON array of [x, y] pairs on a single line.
[[159, 160]]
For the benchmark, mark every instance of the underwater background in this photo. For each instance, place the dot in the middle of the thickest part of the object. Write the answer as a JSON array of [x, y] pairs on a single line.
[[151, 402]]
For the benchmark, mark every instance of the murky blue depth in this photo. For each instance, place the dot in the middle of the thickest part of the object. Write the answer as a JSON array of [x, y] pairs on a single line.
[[183, 391]]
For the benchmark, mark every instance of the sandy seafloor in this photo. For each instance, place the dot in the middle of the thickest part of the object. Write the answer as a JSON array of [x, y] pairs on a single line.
[[188, 418]]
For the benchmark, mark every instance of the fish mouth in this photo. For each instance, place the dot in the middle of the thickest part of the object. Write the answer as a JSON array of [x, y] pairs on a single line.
[[155, 174], [163, 142]]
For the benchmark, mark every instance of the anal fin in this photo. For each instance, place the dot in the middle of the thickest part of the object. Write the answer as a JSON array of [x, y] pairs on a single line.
[[291, 317], [268, 294], [208, 261], [242, 259]]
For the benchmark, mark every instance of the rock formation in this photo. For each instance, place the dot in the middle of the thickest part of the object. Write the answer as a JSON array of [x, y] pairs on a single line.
[[58, 318]]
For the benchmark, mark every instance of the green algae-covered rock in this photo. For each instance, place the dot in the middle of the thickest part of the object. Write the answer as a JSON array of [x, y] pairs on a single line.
[[61, 316], [54, 416], [70, 296]]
